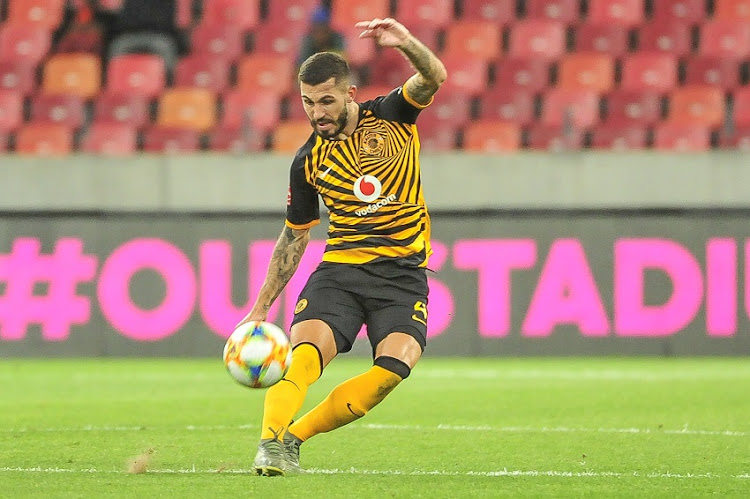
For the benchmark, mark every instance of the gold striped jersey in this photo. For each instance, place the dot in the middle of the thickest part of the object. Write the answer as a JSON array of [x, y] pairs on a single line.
[[370, 184]]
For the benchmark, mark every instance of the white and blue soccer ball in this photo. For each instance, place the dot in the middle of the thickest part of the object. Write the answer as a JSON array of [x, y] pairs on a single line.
[[258, 354]]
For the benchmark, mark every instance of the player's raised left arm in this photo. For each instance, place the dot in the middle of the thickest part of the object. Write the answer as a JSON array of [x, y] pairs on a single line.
[[431, 72]]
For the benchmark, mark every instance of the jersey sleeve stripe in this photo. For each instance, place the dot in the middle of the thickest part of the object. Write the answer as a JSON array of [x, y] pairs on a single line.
[[312, 223], [414, 103]]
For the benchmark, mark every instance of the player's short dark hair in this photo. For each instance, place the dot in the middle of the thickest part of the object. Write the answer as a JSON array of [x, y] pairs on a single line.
[[321, 67]]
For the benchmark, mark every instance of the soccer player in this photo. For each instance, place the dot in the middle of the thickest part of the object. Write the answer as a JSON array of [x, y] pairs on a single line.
[[362, 160]]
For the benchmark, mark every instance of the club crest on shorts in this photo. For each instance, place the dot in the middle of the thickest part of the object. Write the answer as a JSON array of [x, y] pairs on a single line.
[[373, 143], [301, 305]]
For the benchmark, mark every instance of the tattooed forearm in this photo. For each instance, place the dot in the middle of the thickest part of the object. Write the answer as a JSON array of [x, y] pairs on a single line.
[[431, 72], [284, 262]]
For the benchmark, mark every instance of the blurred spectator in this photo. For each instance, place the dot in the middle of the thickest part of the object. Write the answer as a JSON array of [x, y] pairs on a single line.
[[82, 29], [321, 37]]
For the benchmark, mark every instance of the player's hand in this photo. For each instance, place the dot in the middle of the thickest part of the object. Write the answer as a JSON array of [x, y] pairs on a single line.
[[250, 318], [387, 32]]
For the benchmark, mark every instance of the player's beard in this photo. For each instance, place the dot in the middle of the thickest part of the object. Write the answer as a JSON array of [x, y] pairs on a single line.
[[333, 133]]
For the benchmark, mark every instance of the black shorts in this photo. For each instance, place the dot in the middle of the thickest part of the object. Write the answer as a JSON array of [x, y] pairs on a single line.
[[385, 296]]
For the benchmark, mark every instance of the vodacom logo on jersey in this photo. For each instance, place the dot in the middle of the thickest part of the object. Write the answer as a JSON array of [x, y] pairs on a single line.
[[368, 188]]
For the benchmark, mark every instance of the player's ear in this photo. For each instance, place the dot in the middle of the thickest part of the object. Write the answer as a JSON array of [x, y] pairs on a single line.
[[351, 94]]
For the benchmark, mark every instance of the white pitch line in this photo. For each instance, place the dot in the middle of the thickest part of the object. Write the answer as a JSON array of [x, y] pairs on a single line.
[[353, 471], [396, 427]]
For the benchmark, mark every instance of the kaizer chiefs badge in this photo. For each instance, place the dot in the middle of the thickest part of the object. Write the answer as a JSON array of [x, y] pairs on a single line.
[[300, 306], [373, 143]]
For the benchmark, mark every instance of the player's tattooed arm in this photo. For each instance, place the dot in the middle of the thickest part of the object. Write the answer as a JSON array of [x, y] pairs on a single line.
[[431, 72], [284, 262]]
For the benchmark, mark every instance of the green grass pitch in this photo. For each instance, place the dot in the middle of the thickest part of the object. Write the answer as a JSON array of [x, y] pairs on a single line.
[[604, 427]]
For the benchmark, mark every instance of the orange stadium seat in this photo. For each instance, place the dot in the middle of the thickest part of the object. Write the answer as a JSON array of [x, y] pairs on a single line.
[[480, 39], [259, 110], [44, 139], [670, 136], [292, 13], [11, 110], [125, 109], [587, 71], [170, 140], [277, 39], [649, 72], [244, 14], [562, 107], [681, 11], [256, 72], [741, 107], [725, 39], [290, 135], [502, 12], [514, 106], [45, 14], [390, 68], [707, 70], [76, 74], [68, 110], [628, 107], [191, 108], [346, 13], [619, 137], [672, 38], [492, 137], [554, 138], [111, 139], [566, 11], [628, 13], [17, 76], [466, 74], [732, 10], [223, 41], [437, 136], [526, 73], [202, 71], [236, 140], [537, 38], [451, 106], [141, 74], [605, 38], [29, 44], [697, 104], [435, 13]]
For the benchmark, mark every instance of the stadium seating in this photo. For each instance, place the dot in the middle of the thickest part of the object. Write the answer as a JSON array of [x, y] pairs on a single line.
[[202, 71], [77, 74], [628, 108], [725, 38], [236, 140], [564, 107], [259, 110], [291, 135], [628, 13], [566, 11], [515, 106], [265, 72], [157, 139], [609, 39], [467, 75], [649, 72], [554, 138], [671, 136], [44, 14], [434, 13], [18, 76], [688, 12], [501, 12], [65, 110], [140, 74], [741, 107], [672, 38], [187, 108], [538, 38], [587, 71], [721, 72], [346, 13], [526, 73], [619, 137], [125, 109], [224, 41], [291, 13], [492, 137], [112, 139], [475, 39], [28, 44], [11, 111], [732, 9], [697, 105], [244, 14], [44, 139]]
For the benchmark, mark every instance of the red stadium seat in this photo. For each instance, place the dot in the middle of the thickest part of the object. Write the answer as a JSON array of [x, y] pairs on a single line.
[[292, 13], [192, 108], [170, 140], [125, 109], [236, 140], [671, 38], [741, 107], [604, 38], [44, 139], [649, 72], [17, 76], [359, 51], [223, 41], [732, 10], [346, 13], [435, 13], [141, 74], [514, 106], [586, 71], [492, 137], [682, 11], [11, 110], [369, 92], [437, 136], [627, 108], [29, 44], [448, 106], [466, 74], [527, 73], [537, 38], [245, 14], [707, 70], [474, 39], [628, 13], [698, 105], [259, 110], [725, 39], [390, 68], [76, 74], [277, 39], [265, 72], [110, 139], [738, 138], [290, 135], [618, 137], [670, 136], [566, 11], [554, 138], [502, 12], [44, 14], [577, 108], [202, 71], [65, 110]]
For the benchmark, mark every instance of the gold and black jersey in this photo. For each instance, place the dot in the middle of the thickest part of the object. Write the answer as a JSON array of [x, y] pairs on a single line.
[[370, 184]]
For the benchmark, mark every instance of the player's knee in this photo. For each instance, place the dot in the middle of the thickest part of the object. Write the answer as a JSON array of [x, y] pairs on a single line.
[[394, 365]]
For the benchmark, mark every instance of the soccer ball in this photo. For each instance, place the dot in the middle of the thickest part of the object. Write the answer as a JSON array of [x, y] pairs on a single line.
[[258, 354]]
